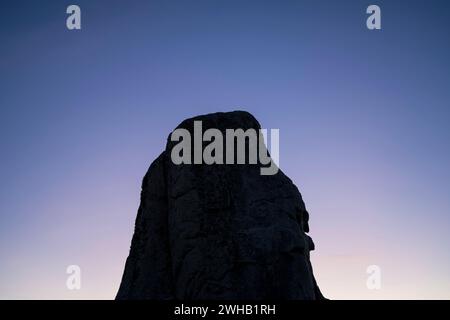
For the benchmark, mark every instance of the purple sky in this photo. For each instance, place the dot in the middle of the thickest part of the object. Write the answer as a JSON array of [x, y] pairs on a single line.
[[363, 117]]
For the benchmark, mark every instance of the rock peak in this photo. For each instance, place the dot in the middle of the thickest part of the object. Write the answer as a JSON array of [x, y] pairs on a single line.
[[212, 232]]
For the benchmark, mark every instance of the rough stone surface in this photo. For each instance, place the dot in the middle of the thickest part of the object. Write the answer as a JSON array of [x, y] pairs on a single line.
[[218, 231]]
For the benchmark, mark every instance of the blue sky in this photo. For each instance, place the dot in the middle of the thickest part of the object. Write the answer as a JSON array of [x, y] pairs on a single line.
[[363, 118]]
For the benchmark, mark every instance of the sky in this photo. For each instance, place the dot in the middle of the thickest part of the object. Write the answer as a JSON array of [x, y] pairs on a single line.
[[363, 117]]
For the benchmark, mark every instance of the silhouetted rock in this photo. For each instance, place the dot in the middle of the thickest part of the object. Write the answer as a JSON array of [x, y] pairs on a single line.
[[218, 231]]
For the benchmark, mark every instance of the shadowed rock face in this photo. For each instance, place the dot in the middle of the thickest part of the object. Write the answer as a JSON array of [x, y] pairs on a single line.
[[218, 231]]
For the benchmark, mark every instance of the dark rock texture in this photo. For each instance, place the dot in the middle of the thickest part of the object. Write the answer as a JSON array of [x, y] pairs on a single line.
[[218, 231]]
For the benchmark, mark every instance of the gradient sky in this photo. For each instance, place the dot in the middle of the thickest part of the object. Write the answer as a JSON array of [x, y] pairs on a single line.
[[363, 116]]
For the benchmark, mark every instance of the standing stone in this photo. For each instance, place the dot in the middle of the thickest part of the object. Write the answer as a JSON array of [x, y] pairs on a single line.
[[218, 231]]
